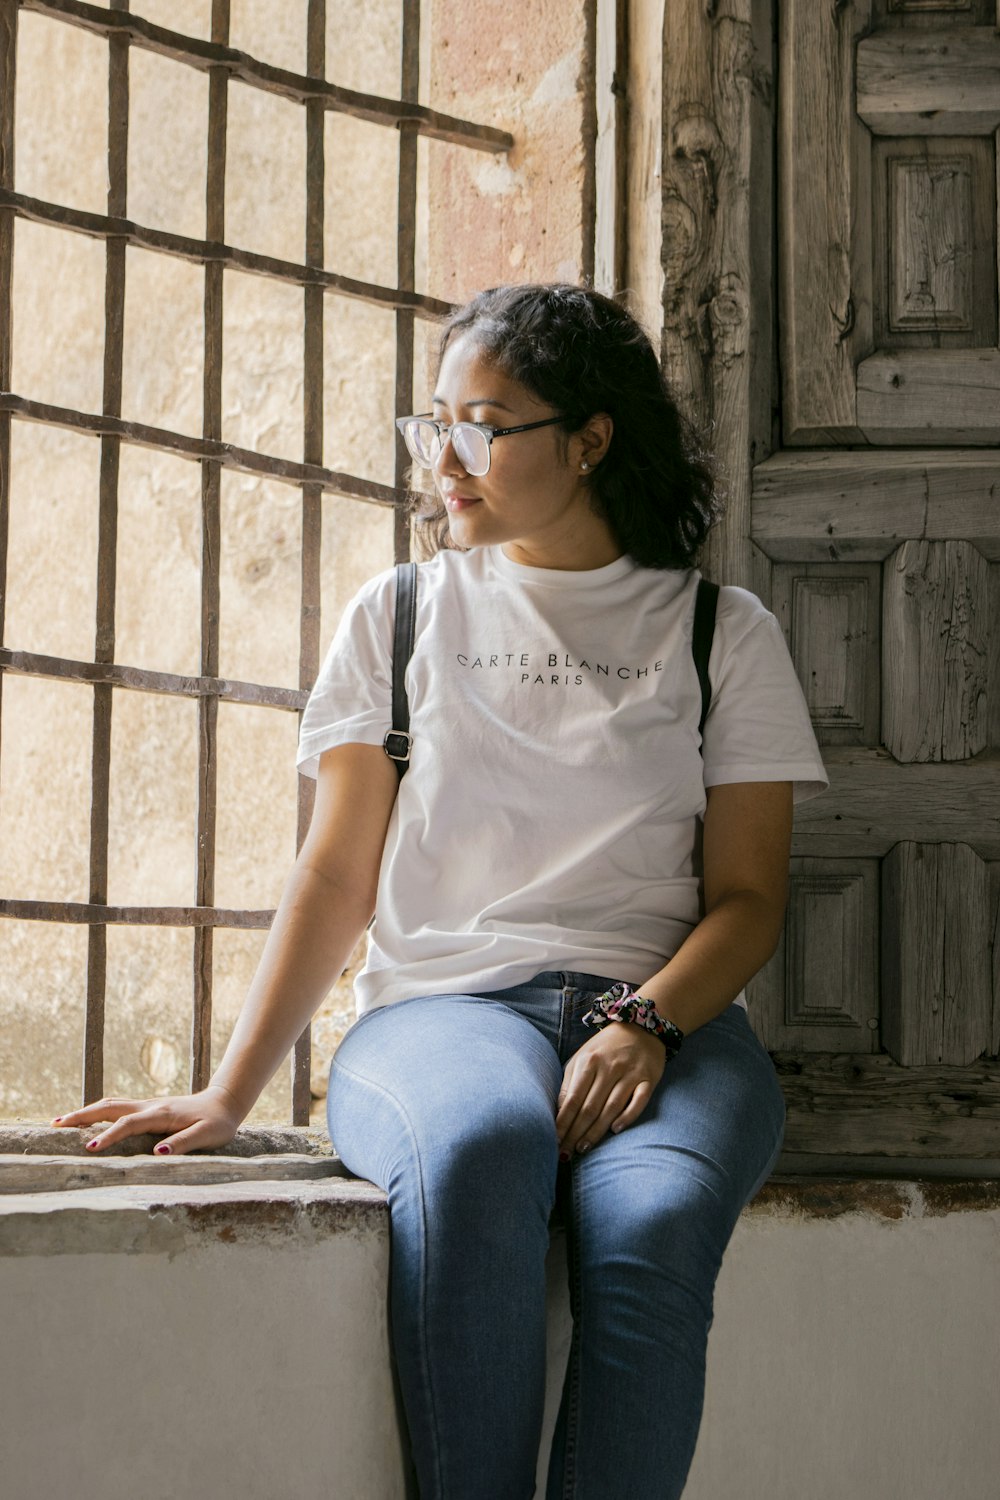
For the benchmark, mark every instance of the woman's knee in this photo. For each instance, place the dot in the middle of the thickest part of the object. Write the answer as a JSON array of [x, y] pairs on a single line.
[[456, 1131], [501, 1142]]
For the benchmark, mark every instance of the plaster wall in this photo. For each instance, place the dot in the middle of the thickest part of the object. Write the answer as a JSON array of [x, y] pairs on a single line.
[[226, 1351]]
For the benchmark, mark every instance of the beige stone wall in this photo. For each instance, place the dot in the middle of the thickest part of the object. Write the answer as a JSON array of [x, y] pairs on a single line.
[[481, 219], [855, 1348]]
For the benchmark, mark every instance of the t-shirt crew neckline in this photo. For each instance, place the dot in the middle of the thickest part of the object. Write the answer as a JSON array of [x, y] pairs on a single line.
[[561, 578]]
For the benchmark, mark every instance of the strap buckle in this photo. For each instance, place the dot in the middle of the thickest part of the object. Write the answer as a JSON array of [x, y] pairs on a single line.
[[397, 745]]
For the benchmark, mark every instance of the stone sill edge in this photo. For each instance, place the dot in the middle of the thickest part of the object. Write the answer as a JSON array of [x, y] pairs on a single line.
[[267, 1162], [37, 1138]]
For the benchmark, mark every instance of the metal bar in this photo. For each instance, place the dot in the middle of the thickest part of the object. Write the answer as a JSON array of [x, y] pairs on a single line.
[[588, 187], [104, 642], [294, 86], [201, 1015], [141, 916], [406, 240], [242, 460], [208, 747], [312, 438], [211, 527], [61, 668], [209, 250]]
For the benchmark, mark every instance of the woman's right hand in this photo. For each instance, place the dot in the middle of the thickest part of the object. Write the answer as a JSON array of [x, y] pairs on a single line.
[[186, 1121]]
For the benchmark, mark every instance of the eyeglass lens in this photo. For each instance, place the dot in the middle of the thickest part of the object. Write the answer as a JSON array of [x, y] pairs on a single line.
[[470, 445]]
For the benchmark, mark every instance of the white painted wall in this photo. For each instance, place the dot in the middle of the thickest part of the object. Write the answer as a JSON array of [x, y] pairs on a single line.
[[851, 1358]]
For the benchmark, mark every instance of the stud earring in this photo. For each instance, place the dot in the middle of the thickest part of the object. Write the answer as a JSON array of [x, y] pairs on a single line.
[[584, 467]]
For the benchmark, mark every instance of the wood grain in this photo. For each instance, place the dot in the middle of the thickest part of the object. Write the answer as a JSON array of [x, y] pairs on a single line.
[[717, 267], [936, 955], [934, 397], [993, 870], [873, 802], [832, 506], [935, 649], [825, 296], [852, 1105], [942, 82]]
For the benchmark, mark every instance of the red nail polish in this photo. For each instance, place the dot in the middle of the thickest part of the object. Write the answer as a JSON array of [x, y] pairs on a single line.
[[91, 1145], [162, 1149], [564, 1156]]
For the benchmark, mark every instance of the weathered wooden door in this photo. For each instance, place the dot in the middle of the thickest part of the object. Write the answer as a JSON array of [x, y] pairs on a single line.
[[880, 513]]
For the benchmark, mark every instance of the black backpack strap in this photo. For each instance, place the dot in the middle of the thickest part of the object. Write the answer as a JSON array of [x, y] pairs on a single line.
[[398, 741], [701, 640]]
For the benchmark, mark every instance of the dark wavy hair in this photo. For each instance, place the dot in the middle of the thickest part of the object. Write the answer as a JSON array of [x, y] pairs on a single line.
[[583, 353]]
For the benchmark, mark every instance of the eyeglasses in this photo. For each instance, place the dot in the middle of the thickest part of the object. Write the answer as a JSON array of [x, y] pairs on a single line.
[[424, 438]]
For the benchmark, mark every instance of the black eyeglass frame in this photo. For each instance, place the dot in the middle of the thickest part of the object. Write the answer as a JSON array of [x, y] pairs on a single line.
[[488, 431]]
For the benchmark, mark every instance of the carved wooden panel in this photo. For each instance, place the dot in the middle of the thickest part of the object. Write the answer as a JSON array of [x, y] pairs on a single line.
[[888, 303], [935, 648], [819, 992], [936, 968], [883, 999], [934, 229], [831, 615]]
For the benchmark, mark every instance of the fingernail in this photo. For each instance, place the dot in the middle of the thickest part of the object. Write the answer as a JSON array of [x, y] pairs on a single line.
[[162, 1149], [91, 1145], [57, 1120], [583, 1146], [564, 1156]]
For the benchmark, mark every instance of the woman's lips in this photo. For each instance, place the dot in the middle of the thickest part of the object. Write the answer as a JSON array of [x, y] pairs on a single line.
[[460, 502]]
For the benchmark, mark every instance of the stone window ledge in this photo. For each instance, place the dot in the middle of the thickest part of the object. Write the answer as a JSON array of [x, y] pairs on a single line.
[[284, 1185]]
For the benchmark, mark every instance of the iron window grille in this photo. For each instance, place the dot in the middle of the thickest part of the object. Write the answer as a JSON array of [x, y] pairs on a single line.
[[124, 31]]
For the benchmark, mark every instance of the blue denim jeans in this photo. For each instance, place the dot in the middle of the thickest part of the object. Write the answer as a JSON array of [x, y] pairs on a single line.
[[448, 1103]]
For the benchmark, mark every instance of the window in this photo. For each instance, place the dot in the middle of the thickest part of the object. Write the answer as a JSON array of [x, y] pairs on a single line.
[[207, 321]]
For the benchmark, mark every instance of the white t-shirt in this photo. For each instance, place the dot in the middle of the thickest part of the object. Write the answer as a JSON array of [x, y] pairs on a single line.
[[551, 814]]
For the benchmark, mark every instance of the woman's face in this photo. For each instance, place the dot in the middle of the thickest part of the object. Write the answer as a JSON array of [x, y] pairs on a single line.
[[533, 500]]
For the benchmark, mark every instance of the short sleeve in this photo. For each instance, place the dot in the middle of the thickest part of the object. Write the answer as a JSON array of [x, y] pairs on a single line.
[[351, 702], [758, 726]]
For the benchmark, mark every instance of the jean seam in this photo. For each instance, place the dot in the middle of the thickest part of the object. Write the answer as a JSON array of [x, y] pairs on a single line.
[[425, 1362], [576, 1344]]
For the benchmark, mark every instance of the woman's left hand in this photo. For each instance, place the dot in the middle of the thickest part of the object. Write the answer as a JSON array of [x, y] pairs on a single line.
[[608, 1081]]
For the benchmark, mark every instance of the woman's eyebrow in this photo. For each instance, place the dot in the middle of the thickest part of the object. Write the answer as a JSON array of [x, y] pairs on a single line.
[[478, 401]]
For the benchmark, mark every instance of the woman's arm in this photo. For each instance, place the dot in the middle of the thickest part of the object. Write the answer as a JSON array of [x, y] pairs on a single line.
[[746, 846], [326, 903]]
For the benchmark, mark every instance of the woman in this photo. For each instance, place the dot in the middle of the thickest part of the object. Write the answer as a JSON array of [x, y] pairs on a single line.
[[562, 829]]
